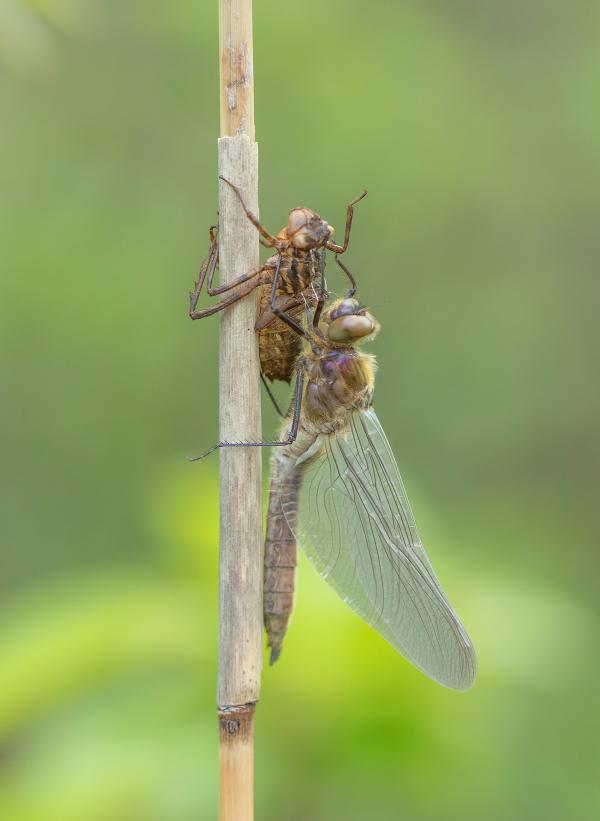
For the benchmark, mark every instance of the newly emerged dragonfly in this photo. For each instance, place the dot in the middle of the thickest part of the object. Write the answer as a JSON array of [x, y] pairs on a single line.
[[289, 281], [336, 489]]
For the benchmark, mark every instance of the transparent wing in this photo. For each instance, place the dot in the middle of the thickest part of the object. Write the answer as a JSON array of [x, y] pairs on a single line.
[[357, 528]]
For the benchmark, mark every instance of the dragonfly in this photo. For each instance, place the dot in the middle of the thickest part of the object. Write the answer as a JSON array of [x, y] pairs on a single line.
[[336, 489], [290, 281]]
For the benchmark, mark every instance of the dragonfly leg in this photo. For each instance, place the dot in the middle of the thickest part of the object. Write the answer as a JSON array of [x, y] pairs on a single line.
[[271, 395], [285, 302], [290, 438], [297, 406], [341, 249], [269, 240], [209, 264], [323, 291], [295, 326], [246, 289], [209, 267], [227, 286], [352, 290]]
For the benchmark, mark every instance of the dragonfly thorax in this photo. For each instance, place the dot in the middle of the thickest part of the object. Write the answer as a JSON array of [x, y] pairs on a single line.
[[339, 383]]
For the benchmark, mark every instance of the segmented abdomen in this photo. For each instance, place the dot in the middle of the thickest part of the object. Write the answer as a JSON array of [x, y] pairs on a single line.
[[279, 346], [281, 553]]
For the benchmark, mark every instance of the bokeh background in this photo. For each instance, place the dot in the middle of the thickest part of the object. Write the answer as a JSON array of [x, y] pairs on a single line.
[[475, 128]]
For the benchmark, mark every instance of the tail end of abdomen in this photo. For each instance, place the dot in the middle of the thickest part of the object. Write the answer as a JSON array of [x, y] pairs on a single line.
[[276, 627], [278, 594]]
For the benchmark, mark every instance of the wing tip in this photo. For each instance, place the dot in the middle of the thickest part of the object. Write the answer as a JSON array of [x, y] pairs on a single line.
[[466, 676]]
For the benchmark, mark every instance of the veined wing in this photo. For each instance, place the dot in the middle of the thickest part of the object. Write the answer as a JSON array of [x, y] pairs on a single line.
[[357, 528]]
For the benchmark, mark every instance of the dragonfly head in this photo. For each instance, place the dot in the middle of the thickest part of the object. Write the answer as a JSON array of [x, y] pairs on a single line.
[[347, 321], [307, 230]]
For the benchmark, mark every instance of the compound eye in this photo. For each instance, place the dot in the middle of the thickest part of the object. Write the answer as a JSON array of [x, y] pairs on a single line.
[[349, 327], [298, 218], [344, 308]]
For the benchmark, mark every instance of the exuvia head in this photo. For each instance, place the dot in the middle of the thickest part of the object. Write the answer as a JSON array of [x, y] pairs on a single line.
[[306, 229], [348, 321]]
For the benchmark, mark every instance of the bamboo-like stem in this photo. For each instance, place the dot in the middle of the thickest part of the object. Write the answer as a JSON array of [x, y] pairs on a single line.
[[240, 541], [237, 68]]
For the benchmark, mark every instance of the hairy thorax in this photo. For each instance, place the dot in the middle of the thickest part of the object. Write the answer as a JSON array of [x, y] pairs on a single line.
[[338, 384]]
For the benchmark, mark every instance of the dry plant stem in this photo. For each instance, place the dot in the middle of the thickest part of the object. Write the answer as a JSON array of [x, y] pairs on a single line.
[[240, 540], [236, 763], [237, 78], [239, 415]]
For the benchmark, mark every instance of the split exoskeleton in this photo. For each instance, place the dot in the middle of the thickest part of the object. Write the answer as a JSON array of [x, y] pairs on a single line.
[[335, 486], [291, 281]]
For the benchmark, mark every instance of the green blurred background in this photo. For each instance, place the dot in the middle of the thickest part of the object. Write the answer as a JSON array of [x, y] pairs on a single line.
[[475, 127]]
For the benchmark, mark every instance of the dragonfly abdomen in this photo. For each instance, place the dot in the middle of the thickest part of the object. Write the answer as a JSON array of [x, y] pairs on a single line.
[[281, 557], [279, 345]]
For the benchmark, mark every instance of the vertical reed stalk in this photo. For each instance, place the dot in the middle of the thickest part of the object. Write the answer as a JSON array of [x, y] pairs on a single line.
[[240, 544]]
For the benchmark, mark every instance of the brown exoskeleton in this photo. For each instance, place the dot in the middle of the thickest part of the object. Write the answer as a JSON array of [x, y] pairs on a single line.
[[290, 281]]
